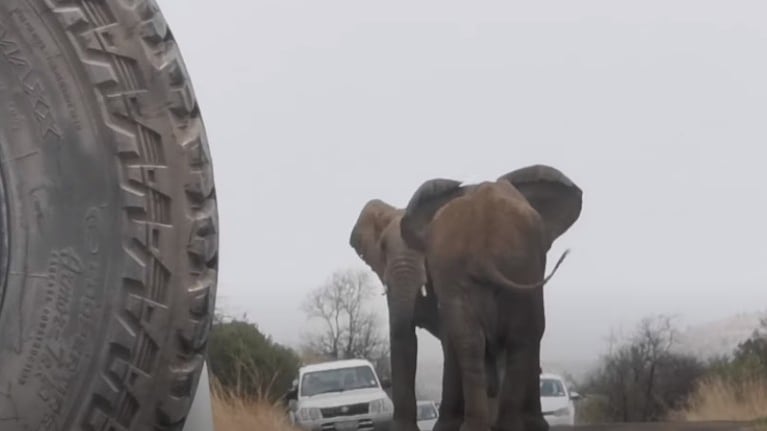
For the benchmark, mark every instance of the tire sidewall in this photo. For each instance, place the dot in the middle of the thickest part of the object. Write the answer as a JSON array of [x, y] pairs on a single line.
[[63, 207]]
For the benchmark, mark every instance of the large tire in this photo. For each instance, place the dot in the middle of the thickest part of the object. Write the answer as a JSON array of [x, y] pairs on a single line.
[[108, 219]]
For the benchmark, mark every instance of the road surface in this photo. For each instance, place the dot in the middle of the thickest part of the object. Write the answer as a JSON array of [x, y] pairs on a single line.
[[682, 426]]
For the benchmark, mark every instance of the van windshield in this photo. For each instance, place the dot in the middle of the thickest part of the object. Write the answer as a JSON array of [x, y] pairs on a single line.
[[552, 388], [339, 380], [426, 412]]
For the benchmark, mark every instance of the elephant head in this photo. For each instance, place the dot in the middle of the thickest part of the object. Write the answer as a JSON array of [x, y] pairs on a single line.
[[376, 239]]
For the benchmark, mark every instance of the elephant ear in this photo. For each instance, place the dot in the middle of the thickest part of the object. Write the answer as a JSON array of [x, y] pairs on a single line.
[[365, 237], [426, 201], [555, 196]]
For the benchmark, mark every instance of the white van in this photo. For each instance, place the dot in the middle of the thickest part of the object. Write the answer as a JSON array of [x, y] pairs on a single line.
[[340, 396], [557, 400]]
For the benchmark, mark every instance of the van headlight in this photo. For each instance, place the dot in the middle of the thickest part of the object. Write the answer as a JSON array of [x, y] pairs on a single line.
[[381, 405], [307, 414], [564, 411]]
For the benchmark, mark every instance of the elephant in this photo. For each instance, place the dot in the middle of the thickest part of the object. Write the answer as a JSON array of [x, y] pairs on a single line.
[[486, 248], [410, 299]]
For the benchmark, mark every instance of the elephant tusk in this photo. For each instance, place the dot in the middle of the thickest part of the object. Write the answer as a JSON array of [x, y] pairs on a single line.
[[423, 291]]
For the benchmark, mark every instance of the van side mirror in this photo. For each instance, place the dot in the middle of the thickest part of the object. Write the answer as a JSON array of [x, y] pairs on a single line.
[[291, 396], [575, 396], [386, 383]]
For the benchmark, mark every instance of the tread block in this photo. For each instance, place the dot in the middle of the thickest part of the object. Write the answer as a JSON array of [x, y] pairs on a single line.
[[71, 17], [176, 405], [154, 30], [200, 295], [200, 187], [101, 73], [124, 335], [97, 419], [134, 200], [182, 100], [135, 270], [117, 105], [127, 144], [107, 391]]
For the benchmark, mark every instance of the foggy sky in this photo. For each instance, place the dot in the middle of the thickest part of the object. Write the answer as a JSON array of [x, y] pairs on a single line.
[[656, 109]]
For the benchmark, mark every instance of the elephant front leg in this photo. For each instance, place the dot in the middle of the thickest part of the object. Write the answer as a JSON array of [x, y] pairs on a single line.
[[404, 351]]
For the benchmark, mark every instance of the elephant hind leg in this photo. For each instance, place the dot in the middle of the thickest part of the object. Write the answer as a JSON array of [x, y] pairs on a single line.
[[491, 369], [519, 406], [493, 381], [468, 340], [451, 406]]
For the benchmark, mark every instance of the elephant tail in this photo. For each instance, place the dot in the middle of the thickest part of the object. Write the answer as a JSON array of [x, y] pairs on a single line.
[[493, 275]]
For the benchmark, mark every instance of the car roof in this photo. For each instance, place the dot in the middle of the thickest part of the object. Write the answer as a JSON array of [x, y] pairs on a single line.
[[334, 365]]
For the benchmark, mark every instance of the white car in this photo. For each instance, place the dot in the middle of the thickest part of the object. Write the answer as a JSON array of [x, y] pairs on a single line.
[[427, 414], [557, 400], [340, 396]]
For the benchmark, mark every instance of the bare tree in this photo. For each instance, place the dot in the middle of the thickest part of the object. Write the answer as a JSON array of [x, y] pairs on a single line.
[[643, 378], [654, 341], [345, 326]]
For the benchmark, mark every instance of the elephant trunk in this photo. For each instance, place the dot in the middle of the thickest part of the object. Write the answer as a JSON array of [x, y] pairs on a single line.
[[404, 277]]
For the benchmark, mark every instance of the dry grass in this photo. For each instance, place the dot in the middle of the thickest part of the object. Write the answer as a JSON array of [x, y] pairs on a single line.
[[233, 412], [720, 399]]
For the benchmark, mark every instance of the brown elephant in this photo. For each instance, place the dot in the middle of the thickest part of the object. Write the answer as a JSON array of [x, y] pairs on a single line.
[[486, 246], [410, 298]]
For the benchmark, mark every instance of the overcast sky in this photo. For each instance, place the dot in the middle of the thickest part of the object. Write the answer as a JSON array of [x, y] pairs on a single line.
[[657, 109]]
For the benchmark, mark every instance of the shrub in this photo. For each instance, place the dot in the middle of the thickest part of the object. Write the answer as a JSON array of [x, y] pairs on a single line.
[[643, 379], [245, 361]]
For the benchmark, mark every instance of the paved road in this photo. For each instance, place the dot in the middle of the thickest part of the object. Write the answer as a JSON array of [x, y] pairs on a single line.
[[684, 426]]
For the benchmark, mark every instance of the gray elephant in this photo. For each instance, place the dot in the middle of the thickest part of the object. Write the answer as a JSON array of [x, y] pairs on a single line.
[[486, 247], [376, 239]]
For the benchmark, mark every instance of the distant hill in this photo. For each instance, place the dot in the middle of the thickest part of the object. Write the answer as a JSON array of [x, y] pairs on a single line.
[[719, 337]]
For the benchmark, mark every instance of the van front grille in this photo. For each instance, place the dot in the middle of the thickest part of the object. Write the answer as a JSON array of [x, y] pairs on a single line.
[[347, 410]]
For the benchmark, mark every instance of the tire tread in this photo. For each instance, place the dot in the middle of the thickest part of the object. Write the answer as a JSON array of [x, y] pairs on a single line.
[[131, 57]]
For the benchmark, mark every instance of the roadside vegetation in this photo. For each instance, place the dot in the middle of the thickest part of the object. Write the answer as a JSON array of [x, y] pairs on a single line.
[[233, 411], [644, 378]]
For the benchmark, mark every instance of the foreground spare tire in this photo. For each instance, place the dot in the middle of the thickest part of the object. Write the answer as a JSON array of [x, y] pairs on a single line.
[[108, 219]]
